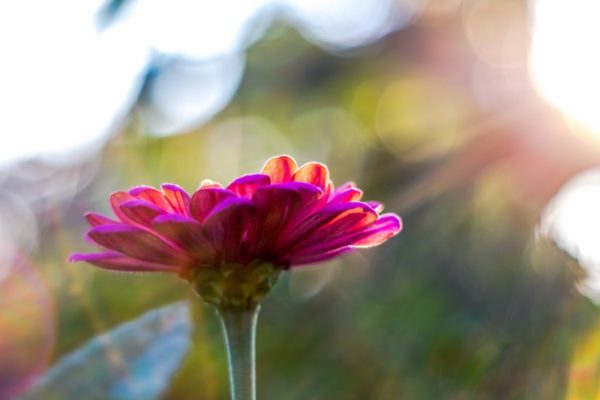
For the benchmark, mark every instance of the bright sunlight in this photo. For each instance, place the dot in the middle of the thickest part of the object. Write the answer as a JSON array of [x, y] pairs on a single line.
[[564, 61]]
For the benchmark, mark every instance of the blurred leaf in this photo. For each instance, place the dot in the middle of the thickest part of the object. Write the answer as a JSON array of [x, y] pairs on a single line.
[[134, 361]]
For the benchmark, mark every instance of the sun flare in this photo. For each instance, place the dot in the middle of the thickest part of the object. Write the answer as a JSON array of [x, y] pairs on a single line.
[[563, 61]]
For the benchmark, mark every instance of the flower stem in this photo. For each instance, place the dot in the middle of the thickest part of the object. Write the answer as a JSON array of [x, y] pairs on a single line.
[[239, 330]]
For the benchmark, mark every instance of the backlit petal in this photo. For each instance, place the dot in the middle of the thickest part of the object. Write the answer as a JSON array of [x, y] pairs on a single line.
[[95, 219], [346, 195], [178, 198], [226, 228], [135, 242], [313, 173], [205, 199], [152, 195], [188, 234], [309, 224], [386, 226], [342, 226], [141, 211], [281, 169], [375, 205], [246, 185], [116, 199], [118, 262], [276, 205]]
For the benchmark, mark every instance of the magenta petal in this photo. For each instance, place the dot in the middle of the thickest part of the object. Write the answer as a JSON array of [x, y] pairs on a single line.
[[178, 198], [346, 195], [246, 185], [345, 224], [188, 234], [285, 215], [387, 225], [375, 205], [276, 207], [226, 228], [141, 211], [275, 204], [135, 242], [151, 195], [205, 199], [118, 262], [296, 232], [116, 199], [95, 219]]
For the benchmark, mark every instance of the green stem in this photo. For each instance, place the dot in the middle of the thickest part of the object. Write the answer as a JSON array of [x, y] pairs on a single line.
[[239, 329]]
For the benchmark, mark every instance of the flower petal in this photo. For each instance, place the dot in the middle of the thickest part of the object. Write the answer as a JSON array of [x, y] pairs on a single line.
[[135, 242], [314, 173], [344, 195], [116, 199], [152, 195], [387, 225], [246, 185], [178, 198], [309, 224], [118, 262], [207, 183], [226, 227], [275, 207], [141, 211], [189, 235], [375, 205], [95, 219], [337, 231], [205, 199], [281, 169]]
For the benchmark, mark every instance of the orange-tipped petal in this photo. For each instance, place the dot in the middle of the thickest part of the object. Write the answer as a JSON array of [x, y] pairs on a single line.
[[116, 199], [152, 195], [178, 198], [246, 186], [205, 199], [141, 212], [281, 169], [345, 195], [207, 183], [95, 219], [387, 225], [285, 216], [313, 173]]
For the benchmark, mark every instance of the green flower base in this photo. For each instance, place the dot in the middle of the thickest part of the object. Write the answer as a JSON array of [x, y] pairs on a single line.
[[236, 286]]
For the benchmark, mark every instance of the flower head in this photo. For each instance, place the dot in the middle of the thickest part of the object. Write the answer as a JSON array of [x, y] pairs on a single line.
[[283, 217]]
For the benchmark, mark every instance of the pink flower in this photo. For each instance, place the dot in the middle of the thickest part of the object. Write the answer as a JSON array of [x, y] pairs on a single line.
[[285, 216]]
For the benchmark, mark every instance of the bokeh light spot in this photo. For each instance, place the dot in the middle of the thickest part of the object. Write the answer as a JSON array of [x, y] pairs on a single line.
[[498, 31], [572, 219], [564, 61], [420, 118]]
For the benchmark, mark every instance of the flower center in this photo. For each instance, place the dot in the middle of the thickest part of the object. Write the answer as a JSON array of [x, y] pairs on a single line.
[[233, 285]]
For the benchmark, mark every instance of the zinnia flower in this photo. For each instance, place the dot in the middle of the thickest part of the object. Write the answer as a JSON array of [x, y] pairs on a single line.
[[244, 234], [232, 242]]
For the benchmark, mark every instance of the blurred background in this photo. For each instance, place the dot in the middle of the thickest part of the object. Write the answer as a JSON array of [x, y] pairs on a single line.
[[475, 120]]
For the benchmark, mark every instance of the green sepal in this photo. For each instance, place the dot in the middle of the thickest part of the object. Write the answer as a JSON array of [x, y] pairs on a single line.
[[233, 285]]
